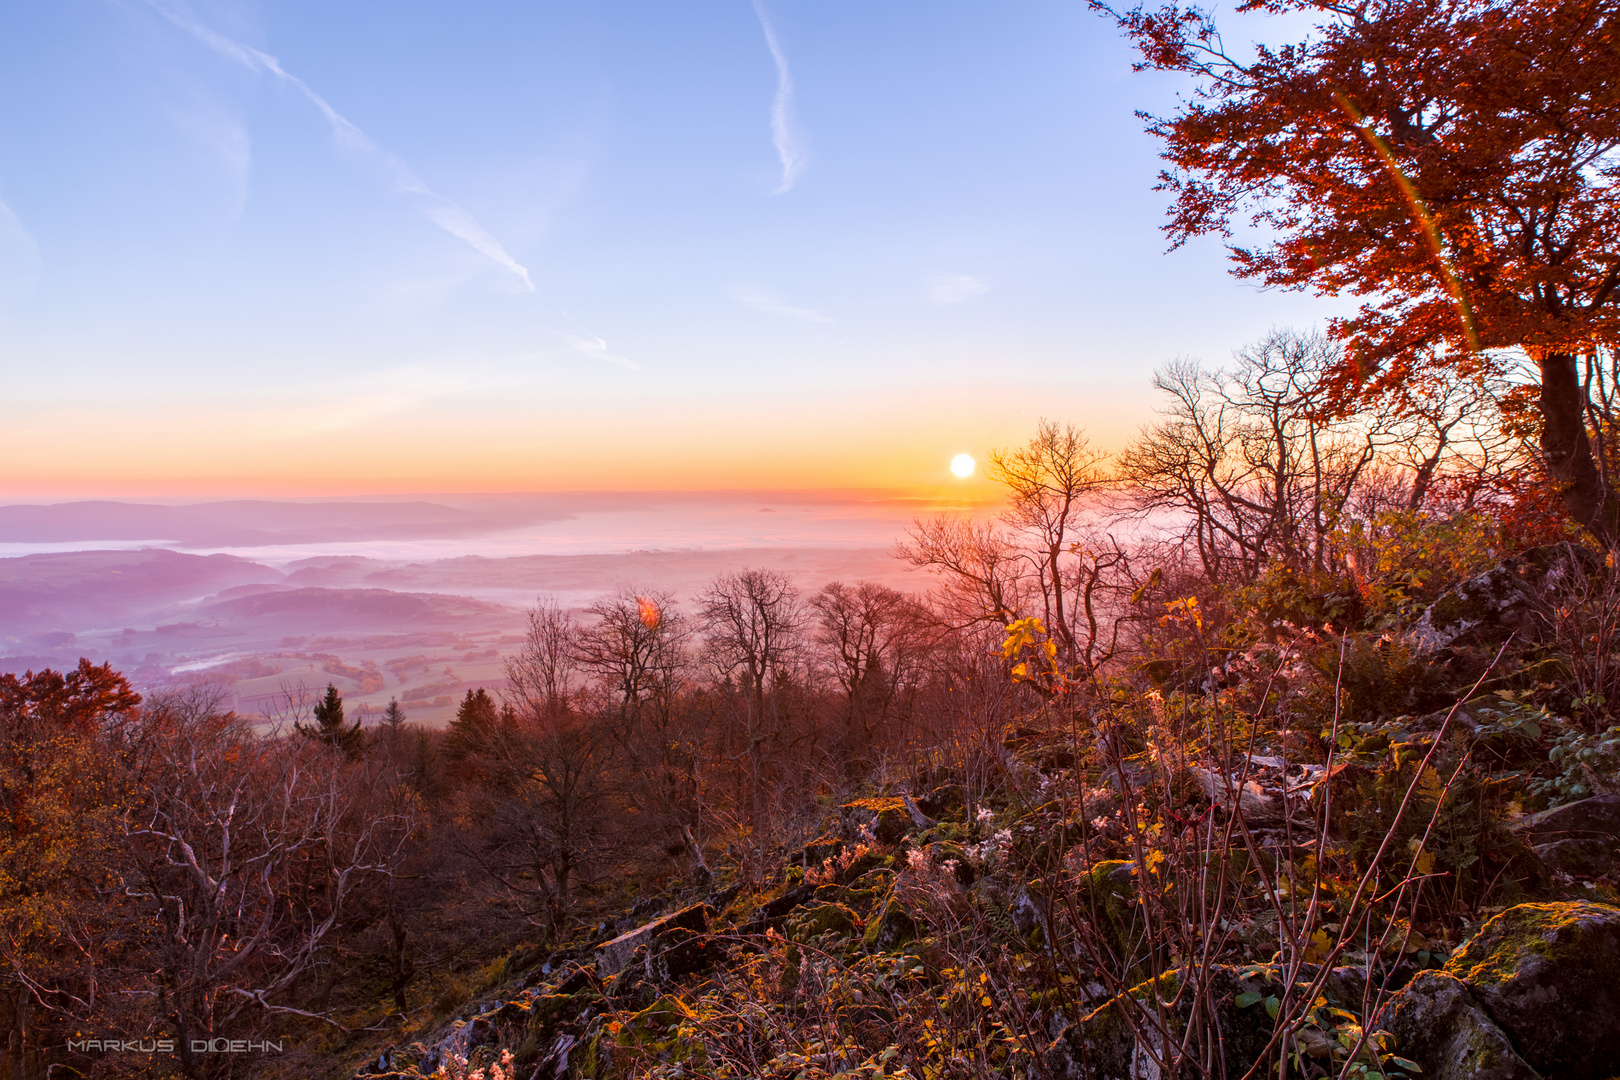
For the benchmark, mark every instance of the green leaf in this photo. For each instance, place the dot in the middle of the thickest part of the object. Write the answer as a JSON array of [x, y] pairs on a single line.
[[1247, 998], [1409, 1066], [1272, 1007]]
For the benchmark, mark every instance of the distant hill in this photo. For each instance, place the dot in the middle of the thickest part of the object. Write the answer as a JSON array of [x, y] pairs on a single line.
[[80, 590], [350, 609], [252, 523]]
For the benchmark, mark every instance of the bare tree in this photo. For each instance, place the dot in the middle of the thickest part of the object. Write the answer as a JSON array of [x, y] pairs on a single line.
[[1048, 559], [552, 811], [977, 566], [873, 639], [753, 623], [635, 648], [542, 678], [1048, 480], [1249, 461], [245, 851]]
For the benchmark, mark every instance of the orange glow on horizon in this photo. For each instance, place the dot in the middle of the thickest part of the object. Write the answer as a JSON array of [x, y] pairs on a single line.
[[173, 451]]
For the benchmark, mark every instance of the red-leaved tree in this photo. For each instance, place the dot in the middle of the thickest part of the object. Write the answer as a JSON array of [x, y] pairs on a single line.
[[1453, 162]]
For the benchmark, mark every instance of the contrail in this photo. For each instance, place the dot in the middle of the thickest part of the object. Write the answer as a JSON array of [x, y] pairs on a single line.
[[19, 256], [597, 349], [789, 146], [443, 212]]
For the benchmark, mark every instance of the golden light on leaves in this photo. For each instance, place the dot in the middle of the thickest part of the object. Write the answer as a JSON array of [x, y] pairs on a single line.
[[962, 465]]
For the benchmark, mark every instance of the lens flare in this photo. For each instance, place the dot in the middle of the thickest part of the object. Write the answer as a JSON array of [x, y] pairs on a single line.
[[651, 616], [962, 465]]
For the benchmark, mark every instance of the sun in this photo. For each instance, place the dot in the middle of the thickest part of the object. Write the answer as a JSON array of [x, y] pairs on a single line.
[[962, 465]]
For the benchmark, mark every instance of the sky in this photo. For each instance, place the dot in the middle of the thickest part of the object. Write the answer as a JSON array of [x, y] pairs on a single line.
[[302, 248]]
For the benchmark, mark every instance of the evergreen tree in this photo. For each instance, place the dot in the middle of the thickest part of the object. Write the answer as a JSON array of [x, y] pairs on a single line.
[[328, 726], [473, 729]]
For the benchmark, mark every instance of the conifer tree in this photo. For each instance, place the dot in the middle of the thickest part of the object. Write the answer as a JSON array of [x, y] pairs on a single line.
[[328, 726], [473, 729]]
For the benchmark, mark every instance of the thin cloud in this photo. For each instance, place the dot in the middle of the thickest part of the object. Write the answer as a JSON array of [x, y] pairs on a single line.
[[229, 142], [597, 349], [762, 301], [784, 133], [958, 289], [443, 212], [19, 257]]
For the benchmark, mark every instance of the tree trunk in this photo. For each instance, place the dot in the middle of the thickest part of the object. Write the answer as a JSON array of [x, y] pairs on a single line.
[[402, 968], [1568, 451]]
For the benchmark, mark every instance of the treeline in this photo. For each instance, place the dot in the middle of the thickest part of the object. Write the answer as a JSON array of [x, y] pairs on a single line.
[[170, 870]]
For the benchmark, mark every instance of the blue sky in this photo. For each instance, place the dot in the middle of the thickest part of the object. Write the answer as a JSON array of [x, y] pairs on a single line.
[[315, 247]]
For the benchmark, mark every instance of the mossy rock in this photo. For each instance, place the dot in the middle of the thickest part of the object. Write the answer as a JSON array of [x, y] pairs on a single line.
[[863, 895], [944, 852], [1107, 895], [818, 851], [661, 1032], [811, 921], [1549, 976], [1104, 1044], [1439, 1024], [885, 817], [890, 928], [865, 864]]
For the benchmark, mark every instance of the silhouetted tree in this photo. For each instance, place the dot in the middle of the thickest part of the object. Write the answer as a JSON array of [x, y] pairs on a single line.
[[1450, 160], [542, 677], [753, 622], [329, 726], [473, 729]]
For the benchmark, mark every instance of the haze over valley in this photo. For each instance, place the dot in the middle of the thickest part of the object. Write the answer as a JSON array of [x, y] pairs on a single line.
[[413, 599]]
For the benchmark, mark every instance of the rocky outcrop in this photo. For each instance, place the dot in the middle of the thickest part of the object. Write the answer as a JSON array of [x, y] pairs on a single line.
[[1122, 1039], [1437, 1022], [1503, 599], [1536, 992], [1581, 838], [890, 928], [885, 819], [614, 956], [1534, 995]]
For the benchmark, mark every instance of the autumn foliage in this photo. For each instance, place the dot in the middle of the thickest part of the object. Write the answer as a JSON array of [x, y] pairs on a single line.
[[1452, 161]]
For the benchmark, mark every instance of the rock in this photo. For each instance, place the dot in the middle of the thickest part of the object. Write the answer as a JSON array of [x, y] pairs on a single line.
[[1581, 838], [679, 952], [1438, 1023], [944, 801], [1258, 806], [1103, 1044], [613, 956], [1106, 896], [811, 922], [772, 912], [1502, 600], [817, 852], [1578, 858], [1549, 976], [1030, 911], [1597, 817], [885, 818], [890, 928], [865, 864]]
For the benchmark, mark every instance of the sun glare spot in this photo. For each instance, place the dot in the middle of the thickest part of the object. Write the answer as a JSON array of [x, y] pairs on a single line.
[[962, 465]]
